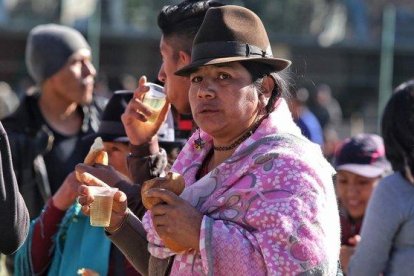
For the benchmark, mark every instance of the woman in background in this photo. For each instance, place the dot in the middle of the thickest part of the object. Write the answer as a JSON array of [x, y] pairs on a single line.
[[387, 235]]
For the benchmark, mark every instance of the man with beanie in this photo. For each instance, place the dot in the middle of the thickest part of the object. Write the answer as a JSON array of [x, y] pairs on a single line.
[[46, 130]]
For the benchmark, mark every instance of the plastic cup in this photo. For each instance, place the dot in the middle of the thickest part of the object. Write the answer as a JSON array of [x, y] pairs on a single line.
[[101, 207], [154, 98]]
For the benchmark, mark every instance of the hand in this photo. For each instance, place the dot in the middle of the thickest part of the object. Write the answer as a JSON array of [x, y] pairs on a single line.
[[176, 219], [119, 205], [135, 116], [105, 173], [354, 240], [347, 251], [67, 192]]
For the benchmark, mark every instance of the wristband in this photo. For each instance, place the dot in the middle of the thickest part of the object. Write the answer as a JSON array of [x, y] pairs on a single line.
[[120, 225]]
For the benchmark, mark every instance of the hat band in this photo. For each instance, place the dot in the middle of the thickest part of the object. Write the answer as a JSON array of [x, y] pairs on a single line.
[[112, 128], [212, 50]]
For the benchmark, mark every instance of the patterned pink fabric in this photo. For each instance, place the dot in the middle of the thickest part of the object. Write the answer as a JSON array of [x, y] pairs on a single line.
[[269, 209]]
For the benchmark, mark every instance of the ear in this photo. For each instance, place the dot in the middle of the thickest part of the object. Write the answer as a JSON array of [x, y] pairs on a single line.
[[267, 86], [183, 59]]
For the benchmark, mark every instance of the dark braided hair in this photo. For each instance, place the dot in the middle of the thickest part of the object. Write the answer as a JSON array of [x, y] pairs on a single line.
[[397, 127], [258, 71]]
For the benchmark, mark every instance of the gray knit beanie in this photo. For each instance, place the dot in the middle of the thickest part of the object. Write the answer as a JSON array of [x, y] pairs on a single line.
[[49, 47]]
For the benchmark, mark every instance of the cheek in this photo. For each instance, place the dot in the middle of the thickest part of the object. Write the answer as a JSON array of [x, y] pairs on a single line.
[[192, 95], [366, 193], [340, 191]]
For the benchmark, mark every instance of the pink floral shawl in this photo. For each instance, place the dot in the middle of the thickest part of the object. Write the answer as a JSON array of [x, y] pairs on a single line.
[[270, 209]]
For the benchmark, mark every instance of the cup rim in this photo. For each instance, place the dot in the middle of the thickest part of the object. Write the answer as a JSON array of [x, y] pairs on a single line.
[[103, 190]]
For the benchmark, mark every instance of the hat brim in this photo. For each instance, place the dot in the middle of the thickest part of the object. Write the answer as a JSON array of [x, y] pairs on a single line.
[[278, 64], [363, 170]]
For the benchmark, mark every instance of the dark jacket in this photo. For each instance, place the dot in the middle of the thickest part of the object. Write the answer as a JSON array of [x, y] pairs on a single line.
[[14, 223], [31, 139]]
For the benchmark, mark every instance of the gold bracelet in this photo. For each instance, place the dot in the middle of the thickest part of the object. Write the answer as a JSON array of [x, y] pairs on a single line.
[[120, 225]]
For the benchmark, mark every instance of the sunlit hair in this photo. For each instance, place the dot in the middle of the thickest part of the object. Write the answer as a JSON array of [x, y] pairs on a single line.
[[183, 20], [397, 128], [260, 70]]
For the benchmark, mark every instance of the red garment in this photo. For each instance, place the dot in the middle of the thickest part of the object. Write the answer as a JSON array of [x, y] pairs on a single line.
[[349, 227], [42, 243]]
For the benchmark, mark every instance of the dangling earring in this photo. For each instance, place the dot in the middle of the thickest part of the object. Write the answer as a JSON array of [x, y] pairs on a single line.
[[199, 143]]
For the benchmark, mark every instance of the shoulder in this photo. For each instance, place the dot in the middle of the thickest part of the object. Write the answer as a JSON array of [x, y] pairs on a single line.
[[395, 187], [292, 157], [294, 147], [27, 115]]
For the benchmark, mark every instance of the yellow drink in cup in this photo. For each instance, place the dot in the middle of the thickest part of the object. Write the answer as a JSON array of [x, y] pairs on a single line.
[[154, 98], [101, 207]]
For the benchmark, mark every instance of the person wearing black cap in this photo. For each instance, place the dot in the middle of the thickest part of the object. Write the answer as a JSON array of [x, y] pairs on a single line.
[[360, 164], [61, 230]]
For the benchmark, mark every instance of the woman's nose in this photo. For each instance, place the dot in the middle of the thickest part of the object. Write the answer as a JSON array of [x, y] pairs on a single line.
[[206, 90]]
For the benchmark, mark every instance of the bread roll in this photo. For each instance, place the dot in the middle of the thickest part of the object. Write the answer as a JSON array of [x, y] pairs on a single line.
[[173, 182], [97, 153]]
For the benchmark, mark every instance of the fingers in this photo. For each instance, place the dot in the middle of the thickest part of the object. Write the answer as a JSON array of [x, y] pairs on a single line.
[[85, 198], [163, 115], [142, 87], [136, 110], [120, 202], [82, 167], [91, 180], [165, 195]]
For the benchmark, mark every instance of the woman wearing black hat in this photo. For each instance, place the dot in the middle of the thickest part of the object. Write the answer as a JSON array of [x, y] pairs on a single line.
[[258, 197]]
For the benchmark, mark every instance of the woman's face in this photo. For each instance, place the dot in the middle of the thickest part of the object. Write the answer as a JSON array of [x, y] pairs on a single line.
[[223, 100], [354, 192], [117, 156]]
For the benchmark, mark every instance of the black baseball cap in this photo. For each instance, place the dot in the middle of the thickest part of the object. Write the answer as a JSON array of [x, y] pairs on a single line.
[[363, 154], [111, 128]]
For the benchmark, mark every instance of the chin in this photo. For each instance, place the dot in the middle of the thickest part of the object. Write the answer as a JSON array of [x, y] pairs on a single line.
[[87, 99]]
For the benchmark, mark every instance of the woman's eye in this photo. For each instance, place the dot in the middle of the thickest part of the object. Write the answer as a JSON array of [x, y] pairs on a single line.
[[196, 79], [342, 181], [223, 76]]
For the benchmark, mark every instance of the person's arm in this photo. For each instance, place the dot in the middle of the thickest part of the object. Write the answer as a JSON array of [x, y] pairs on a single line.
[[146, 161], [381, 222], [45, 227], [131, 239], [14, 224]]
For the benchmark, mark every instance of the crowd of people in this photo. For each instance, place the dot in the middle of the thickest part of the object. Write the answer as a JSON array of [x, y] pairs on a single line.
[[262, 193]]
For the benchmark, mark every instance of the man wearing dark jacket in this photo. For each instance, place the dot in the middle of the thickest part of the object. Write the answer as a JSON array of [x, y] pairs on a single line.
[[46, 130]]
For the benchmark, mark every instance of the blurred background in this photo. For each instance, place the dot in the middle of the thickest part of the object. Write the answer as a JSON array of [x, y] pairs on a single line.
[[356, 51]]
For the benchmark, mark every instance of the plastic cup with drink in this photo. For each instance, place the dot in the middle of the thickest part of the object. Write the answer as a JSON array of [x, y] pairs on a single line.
[[154, 98], [101, 207]]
